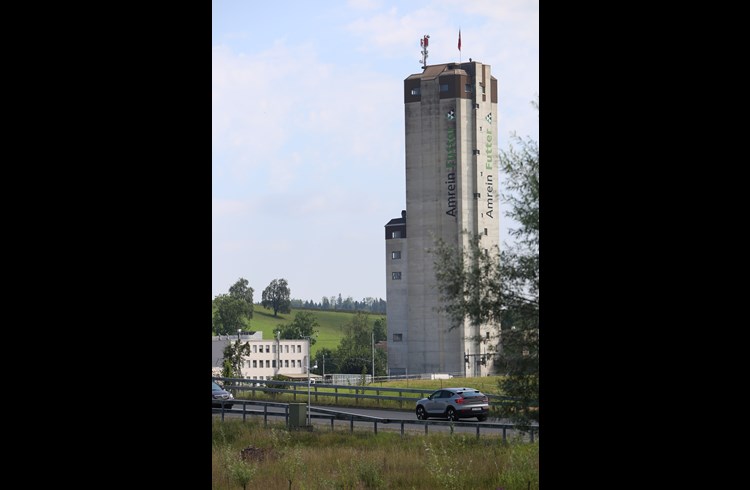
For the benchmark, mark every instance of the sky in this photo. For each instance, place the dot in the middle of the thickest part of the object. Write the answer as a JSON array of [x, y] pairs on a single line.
[[307, 128]]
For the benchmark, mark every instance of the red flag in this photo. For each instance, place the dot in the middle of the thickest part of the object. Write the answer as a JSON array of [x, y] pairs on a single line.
[[459, 39]]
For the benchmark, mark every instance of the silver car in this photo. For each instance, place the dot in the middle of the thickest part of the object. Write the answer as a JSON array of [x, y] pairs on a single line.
[[454, 403]]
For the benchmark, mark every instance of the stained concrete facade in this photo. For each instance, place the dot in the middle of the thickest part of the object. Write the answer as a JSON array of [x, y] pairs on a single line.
[[451, 186]]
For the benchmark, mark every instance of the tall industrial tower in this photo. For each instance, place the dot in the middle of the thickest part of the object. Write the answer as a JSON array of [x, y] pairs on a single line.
[[451, 187]]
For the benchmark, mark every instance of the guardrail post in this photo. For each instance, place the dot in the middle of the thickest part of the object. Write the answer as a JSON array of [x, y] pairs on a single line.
[[425, 428], [222, 411], [244, 411], [332, 424], [400, 402], [336, 390], [294, 388], [477, 431], [316, 393], [376, 427], [351, 423], [377, 393], [402, 429], [532, 435], [504, 429], [356, 398]]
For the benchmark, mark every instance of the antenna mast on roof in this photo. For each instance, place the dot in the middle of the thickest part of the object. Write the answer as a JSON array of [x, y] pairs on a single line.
[[424, 42]]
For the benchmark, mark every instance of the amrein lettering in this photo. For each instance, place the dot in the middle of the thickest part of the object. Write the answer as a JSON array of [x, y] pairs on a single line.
[[450, 164], [488, 166]]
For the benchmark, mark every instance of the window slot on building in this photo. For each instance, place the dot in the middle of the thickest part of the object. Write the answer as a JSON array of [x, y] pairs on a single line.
[[255, 349], [397, 337], [476, 106], [416, 91], [268, 363], [396, 276], [273, 363], [443, 87], [294, 363], [476, 152], [485, 231], [286, 349], [255, 363], [396, 254], [273, 348], [467, 88], [286, 362], [268, 349], [396, 234]]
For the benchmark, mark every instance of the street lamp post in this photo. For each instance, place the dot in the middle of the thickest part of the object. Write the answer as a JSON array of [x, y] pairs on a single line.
[[308, 380]]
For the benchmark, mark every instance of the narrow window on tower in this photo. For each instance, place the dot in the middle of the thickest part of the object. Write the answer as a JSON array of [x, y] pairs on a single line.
[[396, 234], [485, 231], [397, 337], [416, 91], [443, 87], [476, 152], [396, 254], [396, 276], [467, 88]]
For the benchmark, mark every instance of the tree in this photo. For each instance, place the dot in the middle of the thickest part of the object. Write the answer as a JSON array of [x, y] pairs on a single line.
[[229, 315], [502, 287], [234, 354], [380, 329], [303, 325], [326, 360], [355, 349], [240, 290], [276, 296]]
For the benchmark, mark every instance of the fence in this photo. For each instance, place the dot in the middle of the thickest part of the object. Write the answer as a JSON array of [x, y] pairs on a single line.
[[332, 415], [332, 391]]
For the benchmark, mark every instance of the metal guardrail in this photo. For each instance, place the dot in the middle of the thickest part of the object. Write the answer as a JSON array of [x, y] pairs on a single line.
[[332, 415], [322, 390]]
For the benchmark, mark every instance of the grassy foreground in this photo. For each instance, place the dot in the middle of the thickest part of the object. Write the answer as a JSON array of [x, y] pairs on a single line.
[[248, 455]]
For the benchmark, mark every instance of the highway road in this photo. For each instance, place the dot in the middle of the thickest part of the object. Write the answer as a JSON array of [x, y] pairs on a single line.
[[393, 418]]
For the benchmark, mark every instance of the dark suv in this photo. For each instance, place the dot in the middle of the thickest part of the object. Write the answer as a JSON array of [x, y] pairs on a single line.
[[219, 394], [454, 403]]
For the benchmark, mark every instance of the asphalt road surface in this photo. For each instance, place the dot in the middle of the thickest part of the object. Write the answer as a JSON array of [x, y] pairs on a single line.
[[393, 417]]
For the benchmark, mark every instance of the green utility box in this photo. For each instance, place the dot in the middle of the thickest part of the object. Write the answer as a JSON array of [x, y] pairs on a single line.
[[297, 414]]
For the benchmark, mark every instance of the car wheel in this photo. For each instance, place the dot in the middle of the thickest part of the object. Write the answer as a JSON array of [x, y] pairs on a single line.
[[421, 413], [481, 418], [451, 413]]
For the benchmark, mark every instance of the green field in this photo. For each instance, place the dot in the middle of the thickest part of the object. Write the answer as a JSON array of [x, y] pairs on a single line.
[[249, 455], [331, 329]]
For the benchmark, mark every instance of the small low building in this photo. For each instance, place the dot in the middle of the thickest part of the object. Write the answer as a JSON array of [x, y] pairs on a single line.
[[268, 358]]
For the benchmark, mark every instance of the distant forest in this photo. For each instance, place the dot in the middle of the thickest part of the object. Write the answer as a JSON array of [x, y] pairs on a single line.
[[371, 305]]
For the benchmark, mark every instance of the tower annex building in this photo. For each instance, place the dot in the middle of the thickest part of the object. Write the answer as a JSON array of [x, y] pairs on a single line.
[[451, 186]]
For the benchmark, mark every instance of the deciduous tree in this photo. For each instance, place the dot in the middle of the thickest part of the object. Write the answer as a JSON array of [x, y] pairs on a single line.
[[494, 286], [277, 297]]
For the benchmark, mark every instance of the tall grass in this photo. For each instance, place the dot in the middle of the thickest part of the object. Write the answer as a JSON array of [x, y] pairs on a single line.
[[321, 459]]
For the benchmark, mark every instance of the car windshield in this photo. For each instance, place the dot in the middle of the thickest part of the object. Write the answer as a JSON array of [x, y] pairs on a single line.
[[215, 386]]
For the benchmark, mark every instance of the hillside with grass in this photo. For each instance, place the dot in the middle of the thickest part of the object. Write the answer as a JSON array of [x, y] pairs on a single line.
[[331, 329]]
